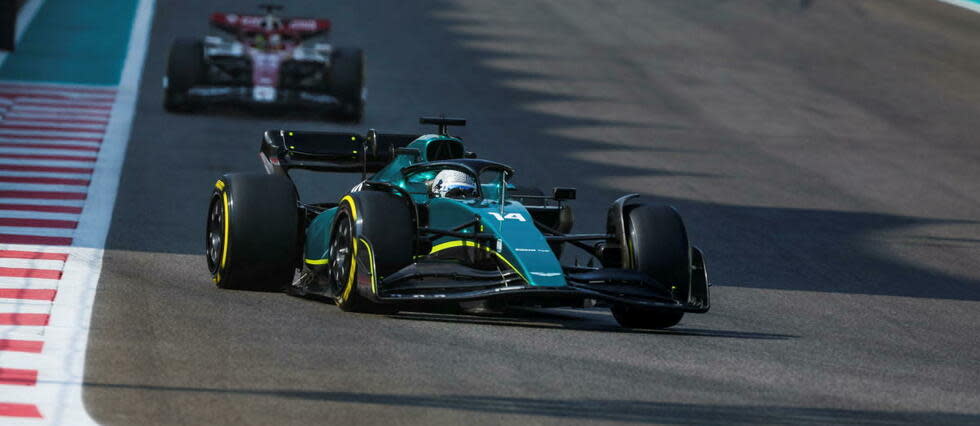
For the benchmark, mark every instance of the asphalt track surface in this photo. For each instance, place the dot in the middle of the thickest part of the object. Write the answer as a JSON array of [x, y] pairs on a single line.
[[823, 153]]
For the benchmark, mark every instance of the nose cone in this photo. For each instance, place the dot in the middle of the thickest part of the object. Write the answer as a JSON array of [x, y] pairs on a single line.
[[519, 243], [522, 244]]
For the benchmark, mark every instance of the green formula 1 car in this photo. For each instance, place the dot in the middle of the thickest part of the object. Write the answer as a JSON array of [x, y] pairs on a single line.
[[432, 224]]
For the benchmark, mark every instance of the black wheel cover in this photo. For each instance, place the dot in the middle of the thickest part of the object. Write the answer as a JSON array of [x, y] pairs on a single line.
[[341, 253], [216, 233]]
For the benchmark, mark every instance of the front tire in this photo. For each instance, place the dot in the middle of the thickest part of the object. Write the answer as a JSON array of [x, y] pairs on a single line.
[[185, 69], [253, 232], [378, 228], [346, 81], [657, 245]]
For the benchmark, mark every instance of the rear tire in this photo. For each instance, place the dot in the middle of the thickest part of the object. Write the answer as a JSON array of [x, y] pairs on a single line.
[[346, 81], [185, 69], [252, 240], [657, 244], [387, 231]]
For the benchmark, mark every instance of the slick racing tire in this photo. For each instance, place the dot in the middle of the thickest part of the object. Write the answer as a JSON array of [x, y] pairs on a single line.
[[657, 244], [252, 240], [346, 81], [185, 69], [384, 241]]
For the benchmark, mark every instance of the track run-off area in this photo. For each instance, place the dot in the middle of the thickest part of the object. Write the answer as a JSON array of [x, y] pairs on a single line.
[[823, 154], [65, 115]]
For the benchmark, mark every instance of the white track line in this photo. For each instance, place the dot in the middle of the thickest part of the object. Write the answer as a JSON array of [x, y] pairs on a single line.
[[42, 202], [29, 111], [12, 214], [59, 87], [69, 87], [14, 306], [19, 140], [24, 306], [45, 174], [20, 332], [43, 158], [16, 186], [60, 388], [28, 283], [56, 119], [58, 391], [90, 136], [46, 151], [17, 121], [67, 103], [37, 232], [47, 155], [15, 214], [36, 248], [77, 159], [75, 185], [55, 96], [23, 91], [65, 115], [21, 360], [31, 263], [80, 163]]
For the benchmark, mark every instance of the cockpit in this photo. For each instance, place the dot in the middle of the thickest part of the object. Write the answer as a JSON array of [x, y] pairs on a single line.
[[463, 179]]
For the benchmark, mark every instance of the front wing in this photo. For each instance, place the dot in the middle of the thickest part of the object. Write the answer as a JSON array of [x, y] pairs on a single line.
[[261, 96], [442, 282]]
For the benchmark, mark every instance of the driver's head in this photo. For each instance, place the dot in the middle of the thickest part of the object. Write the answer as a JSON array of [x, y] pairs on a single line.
[[275, 41], [453, 184]]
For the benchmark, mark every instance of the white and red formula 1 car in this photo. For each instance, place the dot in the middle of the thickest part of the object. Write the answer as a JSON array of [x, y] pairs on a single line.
[[271, 61]]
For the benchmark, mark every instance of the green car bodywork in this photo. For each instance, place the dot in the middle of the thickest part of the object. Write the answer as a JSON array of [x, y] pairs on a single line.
[[430, 224], [519, 244]]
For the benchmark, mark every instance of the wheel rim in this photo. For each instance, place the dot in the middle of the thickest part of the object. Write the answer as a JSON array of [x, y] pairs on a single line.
[[216, 235], [340, 254]]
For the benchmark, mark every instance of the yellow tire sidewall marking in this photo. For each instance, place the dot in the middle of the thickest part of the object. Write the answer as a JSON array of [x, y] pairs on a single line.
[[353, 261], [224, 240]]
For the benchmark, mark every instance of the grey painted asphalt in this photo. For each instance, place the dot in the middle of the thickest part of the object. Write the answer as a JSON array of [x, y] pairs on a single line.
[[823, 153]]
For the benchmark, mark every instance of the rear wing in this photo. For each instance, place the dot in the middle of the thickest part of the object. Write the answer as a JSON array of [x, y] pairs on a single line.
[[283, 150], [300, 27]]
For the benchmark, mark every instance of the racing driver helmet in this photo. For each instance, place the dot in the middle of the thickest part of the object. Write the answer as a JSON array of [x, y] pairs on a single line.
[[453, 184], [275, 41]]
